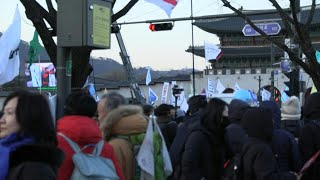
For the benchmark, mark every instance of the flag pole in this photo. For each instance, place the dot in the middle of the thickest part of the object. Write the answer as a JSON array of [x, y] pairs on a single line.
[[192, 44]]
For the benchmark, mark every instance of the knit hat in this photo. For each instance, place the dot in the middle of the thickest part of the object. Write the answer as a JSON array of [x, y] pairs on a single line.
[[291, 109]]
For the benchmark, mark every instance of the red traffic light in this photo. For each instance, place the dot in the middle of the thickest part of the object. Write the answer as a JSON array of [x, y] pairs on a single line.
[[161, 26]]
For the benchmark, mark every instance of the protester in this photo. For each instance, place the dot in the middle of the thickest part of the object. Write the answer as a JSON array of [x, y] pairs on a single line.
[[167, 126], [284, 145], [28, 144], [258, 161], [78, 125], [309, 140], [203, 154], [290, 116], [122, 124], [234, 135], [196, 106]]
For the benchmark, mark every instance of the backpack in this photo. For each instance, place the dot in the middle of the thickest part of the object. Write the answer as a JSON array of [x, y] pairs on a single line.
[[135, 140], [91, 166], [233, 168]]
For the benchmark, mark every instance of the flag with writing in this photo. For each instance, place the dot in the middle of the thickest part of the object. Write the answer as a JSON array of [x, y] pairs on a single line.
[[166, 5], [164, 93], [9, 50], [210, 88], [212, 52], [148, 77], [35, 48], [152, 96]]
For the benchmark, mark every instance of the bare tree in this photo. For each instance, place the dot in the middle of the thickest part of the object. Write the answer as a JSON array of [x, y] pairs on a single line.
[[295, 30], [80, 55]]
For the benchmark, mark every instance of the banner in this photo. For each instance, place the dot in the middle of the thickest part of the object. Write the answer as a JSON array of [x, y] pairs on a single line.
[[164, 93], [9, 50], [210, 88]]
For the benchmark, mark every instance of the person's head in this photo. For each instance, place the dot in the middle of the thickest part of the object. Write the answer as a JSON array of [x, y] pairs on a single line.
[[108, 102], [237, 108], [215, 116], [275, 110], [28, 114], [163, 110], [81, 104], [257, 122], [148, 109], [197, 103], [311, 108], [291, 109]]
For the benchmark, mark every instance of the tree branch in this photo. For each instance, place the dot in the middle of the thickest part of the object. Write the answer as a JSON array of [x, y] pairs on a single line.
[[124, 10], [285, 18], [312, 11], [50, 6]]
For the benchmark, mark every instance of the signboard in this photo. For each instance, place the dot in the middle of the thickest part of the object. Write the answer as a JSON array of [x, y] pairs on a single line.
[[101, 26], [268, 28]]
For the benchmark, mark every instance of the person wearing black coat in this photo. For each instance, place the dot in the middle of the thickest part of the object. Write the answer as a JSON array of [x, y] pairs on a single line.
[[258, 161], [203, 154], [309, 140], [28, 144]]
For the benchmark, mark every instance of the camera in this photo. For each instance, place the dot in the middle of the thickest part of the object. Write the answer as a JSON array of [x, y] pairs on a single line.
[[176, 91]]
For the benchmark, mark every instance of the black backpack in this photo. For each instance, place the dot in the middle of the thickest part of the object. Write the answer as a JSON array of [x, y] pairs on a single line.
[[233, 168]]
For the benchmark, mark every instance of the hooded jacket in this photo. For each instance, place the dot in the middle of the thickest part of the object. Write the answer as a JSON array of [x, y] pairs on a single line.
[[258, 159], [309, 140], [35, 161], [124, 120], [82, 130], [284, 146], [234, 135]]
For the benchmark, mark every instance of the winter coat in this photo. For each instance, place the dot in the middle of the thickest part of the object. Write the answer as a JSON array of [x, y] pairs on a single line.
[[284, 146], [82, 130], [259, 162], [234, 135], [124, 120], [202, 157], [36, 162], [168, 129]]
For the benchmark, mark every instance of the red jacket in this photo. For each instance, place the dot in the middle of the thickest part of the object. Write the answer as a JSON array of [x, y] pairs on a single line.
[[82, 130]]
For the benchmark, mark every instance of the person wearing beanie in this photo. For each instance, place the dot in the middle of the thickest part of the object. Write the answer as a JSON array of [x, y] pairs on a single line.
[[258, 159], [309, 139], [290, 116]]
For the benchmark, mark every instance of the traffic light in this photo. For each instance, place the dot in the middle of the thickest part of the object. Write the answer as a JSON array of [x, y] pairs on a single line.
[[293, 83], [161, 26]]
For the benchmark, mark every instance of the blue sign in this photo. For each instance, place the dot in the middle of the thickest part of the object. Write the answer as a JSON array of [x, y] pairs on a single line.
[[268, 28]]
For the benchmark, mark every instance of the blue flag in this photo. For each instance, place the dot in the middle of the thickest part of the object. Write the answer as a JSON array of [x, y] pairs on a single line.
[[152, 97], [318, 56]]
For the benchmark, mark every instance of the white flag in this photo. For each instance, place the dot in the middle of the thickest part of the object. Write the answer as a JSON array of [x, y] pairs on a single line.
[[164, 93], [236, 87], [9, 50], [211, 51], [266, 95], [148, 77], [210, 88], [220, 88], [166, 5]]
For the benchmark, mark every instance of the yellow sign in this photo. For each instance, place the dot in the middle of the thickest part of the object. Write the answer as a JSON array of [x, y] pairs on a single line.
[[101, 26]]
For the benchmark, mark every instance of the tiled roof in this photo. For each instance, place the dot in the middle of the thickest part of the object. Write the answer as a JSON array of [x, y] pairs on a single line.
[[244, 51], [235, 24]]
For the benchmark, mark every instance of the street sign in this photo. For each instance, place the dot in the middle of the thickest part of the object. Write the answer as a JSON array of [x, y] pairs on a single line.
[[268, 28]]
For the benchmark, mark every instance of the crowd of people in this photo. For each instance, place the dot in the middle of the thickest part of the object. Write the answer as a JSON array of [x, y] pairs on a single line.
[[213, 140]]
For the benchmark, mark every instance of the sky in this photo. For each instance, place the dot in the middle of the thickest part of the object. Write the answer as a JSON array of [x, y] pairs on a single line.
[[162, 50]]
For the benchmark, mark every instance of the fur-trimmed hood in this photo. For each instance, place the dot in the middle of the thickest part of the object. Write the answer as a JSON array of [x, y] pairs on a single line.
[[124, 120]]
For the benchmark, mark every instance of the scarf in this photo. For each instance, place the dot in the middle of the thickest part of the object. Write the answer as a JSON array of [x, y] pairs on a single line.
[[8, 144]]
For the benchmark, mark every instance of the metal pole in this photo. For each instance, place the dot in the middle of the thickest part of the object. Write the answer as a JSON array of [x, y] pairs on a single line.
[[259, 91], [272, 72], [192, 41], [63, 78]]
